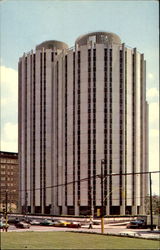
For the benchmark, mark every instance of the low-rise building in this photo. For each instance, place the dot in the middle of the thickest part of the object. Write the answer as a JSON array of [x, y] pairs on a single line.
[[9, 181]]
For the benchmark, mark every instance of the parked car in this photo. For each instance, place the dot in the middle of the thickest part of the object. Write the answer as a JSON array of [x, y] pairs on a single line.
[[74, 224], [34, 222], [56, 224], [4, 226], [22, 224], [1, 224], [27, 220], [11, 220], [16, 220], [46, 223], [60, 223], [136, 224]]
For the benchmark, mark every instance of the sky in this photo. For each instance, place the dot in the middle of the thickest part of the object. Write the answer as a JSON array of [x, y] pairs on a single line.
[[27, 23]]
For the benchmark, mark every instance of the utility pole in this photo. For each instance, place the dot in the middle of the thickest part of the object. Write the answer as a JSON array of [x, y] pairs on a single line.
[[102, 199], [91, 209], [151, 212], [6, 212], [26, 203], [6, 202]]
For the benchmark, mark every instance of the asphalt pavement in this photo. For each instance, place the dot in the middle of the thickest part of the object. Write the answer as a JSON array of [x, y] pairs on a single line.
[[108, 229]]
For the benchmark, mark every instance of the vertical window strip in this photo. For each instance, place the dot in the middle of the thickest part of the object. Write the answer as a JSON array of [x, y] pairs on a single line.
[[34, 123], [66, 67], [52, 56], [79, 126], [142, 128], [89, 132], [20, 123], [44, 132], [133, 130], [57, 118], [94, 127], [31, 126], [121, 65], [41, 133], [105, 120], [74, 128], [25, 68], [110, 123], [125, 121]]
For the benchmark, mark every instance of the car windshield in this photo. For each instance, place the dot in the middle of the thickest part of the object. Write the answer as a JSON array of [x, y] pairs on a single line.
[[136, 222]]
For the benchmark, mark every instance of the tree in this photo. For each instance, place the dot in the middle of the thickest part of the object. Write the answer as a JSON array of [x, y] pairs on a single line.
[[155, 204]]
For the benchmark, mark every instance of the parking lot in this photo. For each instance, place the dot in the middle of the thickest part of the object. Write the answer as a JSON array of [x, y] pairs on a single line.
[[50, 224], [108, 229]]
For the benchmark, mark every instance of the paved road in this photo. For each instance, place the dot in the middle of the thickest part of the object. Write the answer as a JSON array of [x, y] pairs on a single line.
[[109, 229]]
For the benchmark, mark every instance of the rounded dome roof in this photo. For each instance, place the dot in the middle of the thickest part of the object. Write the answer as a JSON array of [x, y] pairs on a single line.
[[51, 44], [100, 36]]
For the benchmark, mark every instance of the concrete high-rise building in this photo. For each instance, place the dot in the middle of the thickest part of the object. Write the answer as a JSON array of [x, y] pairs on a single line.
[[80, 109]]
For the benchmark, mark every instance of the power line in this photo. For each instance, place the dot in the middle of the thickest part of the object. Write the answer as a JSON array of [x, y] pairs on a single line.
[[117, 199], [85, 179]]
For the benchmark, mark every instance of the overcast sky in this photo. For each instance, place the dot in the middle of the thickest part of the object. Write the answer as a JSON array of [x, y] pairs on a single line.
[[26, 23]]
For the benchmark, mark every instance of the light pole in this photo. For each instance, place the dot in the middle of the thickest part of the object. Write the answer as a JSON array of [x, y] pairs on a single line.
[[26, 203], [91, 209], [6, 201], [6, 212], [102, 198], [91, 200], [151, 212]]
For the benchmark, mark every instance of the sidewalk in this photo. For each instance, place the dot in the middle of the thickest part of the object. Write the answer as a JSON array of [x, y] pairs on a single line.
[[143, 235], [150, 234], [108, 230], [122, 231]]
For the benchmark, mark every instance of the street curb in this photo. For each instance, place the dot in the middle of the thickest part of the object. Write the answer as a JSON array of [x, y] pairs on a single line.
[[117, 235]]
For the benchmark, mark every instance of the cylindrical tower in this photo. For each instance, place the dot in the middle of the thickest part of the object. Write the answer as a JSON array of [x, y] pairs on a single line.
[[36, 111], [80, 108], [104, 109]]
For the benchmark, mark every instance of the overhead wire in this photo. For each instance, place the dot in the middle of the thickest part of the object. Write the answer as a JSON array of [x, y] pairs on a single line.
[[85, 179]]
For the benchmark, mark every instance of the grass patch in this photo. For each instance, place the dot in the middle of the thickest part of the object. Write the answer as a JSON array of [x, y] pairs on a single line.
[[68, 240]]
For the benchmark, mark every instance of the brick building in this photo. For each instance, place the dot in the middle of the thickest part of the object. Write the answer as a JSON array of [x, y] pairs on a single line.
[[9, 180]]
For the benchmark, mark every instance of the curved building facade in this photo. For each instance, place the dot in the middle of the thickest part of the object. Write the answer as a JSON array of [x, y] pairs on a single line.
[[83, 114]]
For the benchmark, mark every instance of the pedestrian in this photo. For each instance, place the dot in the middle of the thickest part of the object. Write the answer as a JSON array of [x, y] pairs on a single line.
[[90, 223], [5, 227]]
